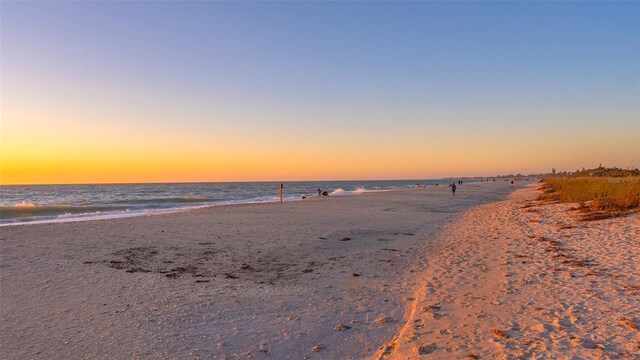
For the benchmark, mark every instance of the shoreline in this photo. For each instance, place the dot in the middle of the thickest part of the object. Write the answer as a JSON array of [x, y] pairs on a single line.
[[185, 207], [328, 278], [167, 211]]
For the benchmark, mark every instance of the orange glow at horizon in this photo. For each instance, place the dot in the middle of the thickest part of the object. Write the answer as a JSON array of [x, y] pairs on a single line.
[[51, 148], [183, 160]]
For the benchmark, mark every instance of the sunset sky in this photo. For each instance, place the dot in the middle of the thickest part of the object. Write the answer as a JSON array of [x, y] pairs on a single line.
[[209, 91]]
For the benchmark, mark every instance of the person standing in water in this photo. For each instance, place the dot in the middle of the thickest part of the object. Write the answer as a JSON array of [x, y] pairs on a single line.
[[453, 188]]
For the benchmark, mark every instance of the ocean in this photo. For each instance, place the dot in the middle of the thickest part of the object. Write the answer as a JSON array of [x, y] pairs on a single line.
[[32, 204]]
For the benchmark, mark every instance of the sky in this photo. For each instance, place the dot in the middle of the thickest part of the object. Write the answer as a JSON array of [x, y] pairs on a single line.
[[101, 92]]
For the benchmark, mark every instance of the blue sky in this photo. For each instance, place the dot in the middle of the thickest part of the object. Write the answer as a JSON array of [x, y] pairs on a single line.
[[368, 69]]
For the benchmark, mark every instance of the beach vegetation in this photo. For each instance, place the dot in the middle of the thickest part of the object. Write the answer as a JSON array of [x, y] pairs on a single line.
[[599, 197], [600, 171]]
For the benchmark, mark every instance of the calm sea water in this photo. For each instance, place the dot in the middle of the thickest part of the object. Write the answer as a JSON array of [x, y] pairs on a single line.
[[28, 204]]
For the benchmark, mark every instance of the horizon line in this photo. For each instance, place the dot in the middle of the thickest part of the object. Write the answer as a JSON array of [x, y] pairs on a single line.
[[259, 181]]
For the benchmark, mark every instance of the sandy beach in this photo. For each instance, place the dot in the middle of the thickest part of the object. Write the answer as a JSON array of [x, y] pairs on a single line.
[[520, 279], [348, 180], [489, 273]]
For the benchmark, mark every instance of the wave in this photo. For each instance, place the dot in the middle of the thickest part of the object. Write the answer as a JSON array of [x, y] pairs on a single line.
[[164, 200], [21, 210], [342, 192], [81, 217], [43, 214], [24, 204], [27, 209]]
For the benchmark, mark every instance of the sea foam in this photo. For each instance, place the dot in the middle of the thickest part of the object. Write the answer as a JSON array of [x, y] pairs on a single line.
[[342, 192]]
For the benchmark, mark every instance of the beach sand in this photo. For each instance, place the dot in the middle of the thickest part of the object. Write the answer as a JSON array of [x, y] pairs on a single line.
[[398, 274], [520, 279]]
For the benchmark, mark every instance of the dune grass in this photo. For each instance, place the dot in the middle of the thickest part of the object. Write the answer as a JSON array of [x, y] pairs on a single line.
[[599, 198]]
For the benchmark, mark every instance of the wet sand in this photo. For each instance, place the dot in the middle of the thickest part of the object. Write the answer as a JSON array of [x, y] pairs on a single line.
[[320, 278]]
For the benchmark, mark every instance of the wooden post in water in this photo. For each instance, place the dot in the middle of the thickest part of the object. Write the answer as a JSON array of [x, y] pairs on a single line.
[[280, 193]]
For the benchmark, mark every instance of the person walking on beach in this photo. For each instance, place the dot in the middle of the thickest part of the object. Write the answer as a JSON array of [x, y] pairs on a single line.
[[453, 188], [319, 192]]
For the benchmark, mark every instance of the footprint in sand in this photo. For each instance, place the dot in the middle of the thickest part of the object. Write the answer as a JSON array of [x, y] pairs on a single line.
[[382, 319], [427, 349], [341, 327], [432, 310], [541, 328]]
